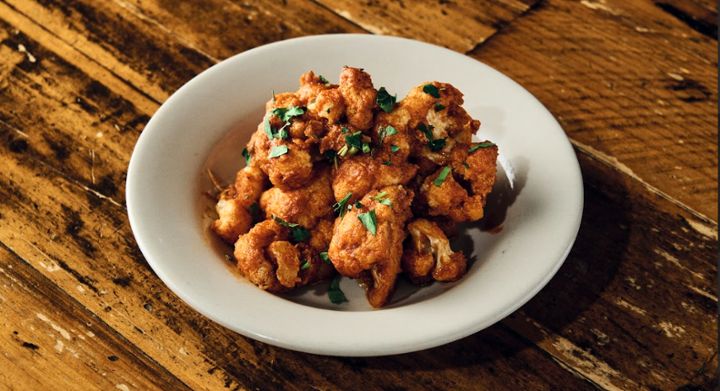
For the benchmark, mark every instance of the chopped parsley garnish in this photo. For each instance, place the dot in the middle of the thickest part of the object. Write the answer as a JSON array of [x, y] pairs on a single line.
[[322, 79], [481, 145], [283, 222], [386, 202], [278, 151], [385, 100], [324, 256], [297, 232], [246, 155], [332, 155], [345, 130], [438, 106], [328, 109], [335, 295], [273, 96], [381, 195], [286, 114], [441, 178], [255, 212], [388, 162], [341, 206], [434, 145], [369, 220], [384, 132], [358, 205], [465, 164], [305, 265], [431, 90], [394, 148]]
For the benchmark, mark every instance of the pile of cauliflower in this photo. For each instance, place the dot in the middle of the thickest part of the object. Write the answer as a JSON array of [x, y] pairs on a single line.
[[342, 178]]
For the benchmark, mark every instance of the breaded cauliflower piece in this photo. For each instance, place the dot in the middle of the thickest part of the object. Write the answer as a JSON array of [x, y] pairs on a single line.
[[234, 204], [449, 197], [361, 173], [375, 258], [267, 258], [289, 170], [310, 87], [430, 125], [305, 205], [428, 255], [359, 94]]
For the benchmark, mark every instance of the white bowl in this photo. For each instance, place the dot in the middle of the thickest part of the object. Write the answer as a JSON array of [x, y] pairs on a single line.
[[538, 199]]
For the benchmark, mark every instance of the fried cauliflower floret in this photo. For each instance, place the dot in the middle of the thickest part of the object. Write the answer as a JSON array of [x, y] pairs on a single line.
[[310, 86], [375, 258], [433, 125], [289, 170], [428, 255], [361, 173], [450, 197], [305, 205], [359, 94], [234, 204], [267, 259]]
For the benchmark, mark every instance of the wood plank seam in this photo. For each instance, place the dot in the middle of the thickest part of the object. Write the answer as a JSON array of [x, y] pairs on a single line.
[[108, 328], [601, 157], [323, 6], [66, 50], [524, 12], [135, 11], [570, 368]]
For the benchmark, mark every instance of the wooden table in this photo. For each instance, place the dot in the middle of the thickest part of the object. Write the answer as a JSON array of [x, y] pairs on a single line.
[[633, 83]]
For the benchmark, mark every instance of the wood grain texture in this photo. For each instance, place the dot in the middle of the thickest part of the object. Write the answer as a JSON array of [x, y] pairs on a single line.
[[633, 87], [49, 341], [458, 25]]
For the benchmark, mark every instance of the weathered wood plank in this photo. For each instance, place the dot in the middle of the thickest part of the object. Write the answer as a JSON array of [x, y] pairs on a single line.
[[51, 342], [631, 84], [635, 305], [458, 25], [224, 28]]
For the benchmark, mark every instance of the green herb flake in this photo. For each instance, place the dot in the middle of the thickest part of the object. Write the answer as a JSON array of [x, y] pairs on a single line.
[[358, 204], [283, 222], [323, 79], [305, 265], [465, 164], [431, 90], [381, 195], [385, 100], [384, 132], [438, 106], [278, 151], [246, 155], [481, 145], [287, 113], [299, 234], [340, 206], [441, 178], [386, 202], [268, 129], [394, 148], [335, 295], [366, 148], [255, 212], [324, 256], [328, 109], [345, 130], [433, 144], [369, 220], [273, 96]]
